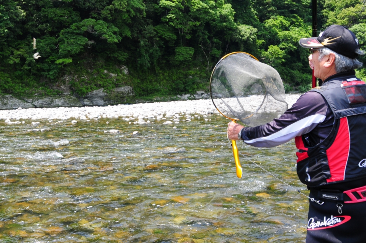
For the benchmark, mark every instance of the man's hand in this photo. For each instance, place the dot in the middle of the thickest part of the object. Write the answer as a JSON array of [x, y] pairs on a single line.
[[233, 130]]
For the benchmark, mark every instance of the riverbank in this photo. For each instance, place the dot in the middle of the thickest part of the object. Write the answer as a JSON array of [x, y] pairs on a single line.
[[140, 113]]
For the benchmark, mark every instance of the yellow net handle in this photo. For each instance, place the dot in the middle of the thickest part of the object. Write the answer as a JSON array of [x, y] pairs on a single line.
[[239, 170]]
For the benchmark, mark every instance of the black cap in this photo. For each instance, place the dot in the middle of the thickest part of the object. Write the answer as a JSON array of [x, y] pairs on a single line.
[[337, 38]]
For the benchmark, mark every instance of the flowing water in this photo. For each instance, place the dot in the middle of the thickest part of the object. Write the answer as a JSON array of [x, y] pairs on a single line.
[[111, 180]]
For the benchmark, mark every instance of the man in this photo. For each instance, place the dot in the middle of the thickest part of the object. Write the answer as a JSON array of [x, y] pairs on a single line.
[[329, 127]]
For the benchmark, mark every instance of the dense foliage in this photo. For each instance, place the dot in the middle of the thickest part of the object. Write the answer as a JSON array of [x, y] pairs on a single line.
[[168, 46]]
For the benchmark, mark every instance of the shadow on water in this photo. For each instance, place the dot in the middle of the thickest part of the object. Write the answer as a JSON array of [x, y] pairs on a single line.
[[110, 180]]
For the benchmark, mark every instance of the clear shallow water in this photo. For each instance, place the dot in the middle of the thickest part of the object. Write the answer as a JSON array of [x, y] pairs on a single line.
[[114, 181]]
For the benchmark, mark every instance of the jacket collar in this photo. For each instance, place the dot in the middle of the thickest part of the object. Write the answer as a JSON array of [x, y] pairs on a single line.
[[350, 73]]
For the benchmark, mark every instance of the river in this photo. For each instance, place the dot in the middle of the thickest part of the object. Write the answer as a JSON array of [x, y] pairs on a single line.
[[118, 180]]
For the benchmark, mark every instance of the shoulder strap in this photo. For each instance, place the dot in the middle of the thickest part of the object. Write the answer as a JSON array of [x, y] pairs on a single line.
[[345, 98]]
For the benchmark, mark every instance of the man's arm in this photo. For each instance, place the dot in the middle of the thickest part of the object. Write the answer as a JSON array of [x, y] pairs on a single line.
[[307, 112]]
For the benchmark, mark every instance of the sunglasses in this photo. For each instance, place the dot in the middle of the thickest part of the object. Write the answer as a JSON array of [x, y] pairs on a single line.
[[313, 50]]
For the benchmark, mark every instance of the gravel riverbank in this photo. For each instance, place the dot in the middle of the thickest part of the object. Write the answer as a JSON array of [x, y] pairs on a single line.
[[137, 112]]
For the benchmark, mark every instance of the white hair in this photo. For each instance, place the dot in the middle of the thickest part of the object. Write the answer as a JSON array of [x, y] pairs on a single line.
[[342, 63]]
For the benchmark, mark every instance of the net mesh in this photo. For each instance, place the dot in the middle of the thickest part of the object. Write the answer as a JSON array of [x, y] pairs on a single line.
[[242, 88]]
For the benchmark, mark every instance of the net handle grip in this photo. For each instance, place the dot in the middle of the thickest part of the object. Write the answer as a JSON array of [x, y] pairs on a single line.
[[239, 170]]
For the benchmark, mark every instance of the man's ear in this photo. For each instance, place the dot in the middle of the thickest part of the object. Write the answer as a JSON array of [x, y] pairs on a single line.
[[329, 60]]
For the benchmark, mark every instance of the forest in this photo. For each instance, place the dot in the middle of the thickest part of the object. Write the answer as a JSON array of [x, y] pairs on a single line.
[[158, 47]]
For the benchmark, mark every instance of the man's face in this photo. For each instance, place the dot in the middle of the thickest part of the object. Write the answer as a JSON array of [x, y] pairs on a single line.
[[323, 68], [314, 62]]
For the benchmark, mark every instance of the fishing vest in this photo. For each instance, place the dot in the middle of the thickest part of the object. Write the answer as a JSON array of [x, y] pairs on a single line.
[[341, 157]]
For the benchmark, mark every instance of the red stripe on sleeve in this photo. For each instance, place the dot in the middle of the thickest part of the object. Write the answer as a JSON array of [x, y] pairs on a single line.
[[338, 153]]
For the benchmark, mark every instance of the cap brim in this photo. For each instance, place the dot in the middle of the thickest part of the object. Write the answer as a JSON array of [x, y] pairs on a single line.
[[311, 42]]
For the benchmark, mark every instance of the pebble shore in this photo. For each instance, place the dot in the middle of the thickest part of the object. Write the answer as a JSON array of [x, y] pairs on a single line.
[[137, 112]]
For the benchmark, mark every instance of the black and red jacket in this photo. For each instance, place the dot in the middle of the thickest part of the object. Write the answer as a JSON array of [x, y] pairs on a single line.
[[329, 126]]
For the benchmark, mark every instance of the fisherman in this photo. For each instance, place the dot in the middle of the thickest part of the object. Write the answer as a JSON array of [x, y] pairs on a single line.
[[328, 124]]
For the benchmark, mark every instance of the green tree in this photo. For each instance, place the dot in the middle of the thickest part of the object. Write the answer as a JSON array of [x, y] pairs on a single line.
[[11, 16], [169, 46], [347, 13]]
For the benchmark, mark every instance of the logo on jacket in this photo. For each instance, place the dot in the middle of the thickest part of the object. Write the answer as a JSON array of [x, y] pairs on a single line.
[[362, 163], [326, 223]]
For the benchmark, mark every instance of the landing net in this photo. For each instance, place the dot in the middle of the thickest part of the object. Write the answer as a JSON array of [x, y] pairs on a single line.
[[244, 89]]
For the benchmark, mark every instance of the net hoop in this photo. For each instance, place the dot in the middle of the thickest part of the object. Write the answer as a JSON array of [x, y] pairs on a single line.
[[213, 71]]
